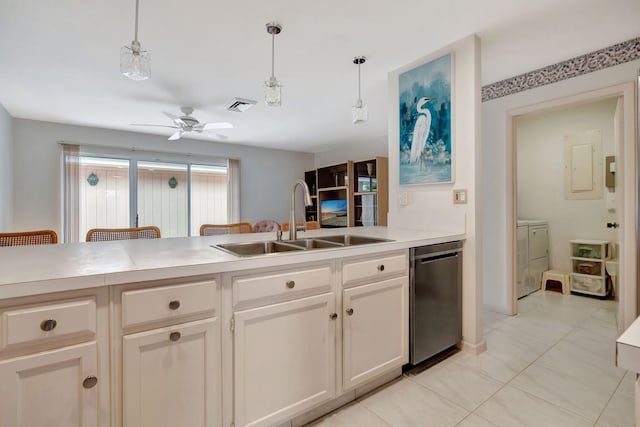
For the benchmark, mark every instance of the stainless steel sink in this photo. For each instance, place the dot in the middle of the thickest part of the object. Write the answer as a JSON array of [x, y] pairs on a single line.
[[351, 240], [314, 243], [257, 248], [278, 246]]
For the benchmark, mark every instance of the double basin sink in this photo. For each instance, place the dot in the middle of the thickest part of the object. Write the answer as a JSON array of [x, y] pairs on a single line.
[[277, 246]]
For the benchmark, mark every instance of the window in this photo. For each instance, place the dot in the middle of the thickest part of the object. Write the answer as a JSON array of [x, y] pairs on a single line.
[[178, 196]]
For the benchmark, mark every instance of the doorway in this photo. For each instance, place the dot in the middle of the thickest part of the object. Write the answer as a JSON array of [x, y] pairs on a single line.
[[621, 143]]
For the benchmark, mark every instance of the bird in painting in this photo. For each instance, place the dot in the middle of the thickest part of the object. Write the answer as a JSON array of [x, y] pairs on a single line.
[[420, 129]]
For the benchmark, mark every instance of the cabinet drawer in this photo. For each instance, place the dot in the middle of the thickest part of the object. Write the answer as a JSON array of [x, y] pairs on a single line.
[[375, 268], [47, 322], [168, 302], [280, 284], [592, 285]]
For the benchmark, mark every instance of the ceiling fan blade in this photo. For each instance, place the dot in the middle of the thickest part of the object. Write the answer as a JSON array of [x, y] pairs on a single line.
[[175, 136], [219, 125], [160, 126], [177, 120]]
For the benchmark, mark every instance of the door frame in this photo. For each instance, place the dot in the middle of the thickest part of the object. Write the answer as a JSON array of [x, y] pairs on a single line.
[[626, 186]]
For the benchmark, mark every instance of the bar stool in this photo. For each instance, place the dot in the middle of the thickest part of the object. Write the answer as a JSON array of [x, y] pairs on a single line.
[[558, 276]]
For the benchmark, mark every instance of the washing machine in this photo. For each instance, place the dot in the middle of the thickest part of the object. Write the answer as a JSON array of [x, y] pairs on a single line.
[[532, 255]]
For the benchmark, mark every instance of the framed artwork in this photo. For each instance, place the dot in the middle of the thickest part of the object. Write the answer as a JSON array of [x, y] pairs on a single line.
[[425, 123]]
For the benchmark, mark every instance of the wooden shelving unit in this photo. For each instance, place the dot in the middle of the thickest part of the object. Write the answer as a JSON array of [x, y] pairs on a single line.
[[349, 194], [371, 193]]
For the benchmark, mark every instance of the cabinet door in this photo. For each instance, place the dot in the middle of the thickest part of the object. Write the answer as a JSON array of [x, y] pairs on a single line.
[[171, 376], [375, 330], [284, 359], [46, 389]]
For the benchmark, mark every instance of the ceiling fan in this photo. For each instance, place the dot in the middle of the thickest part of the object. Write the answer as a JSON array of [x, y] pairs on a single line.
[[187, 123]]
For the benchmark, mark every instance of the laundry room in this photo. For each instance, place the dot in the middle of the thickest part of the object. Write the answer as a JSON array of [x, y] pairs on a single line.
[[567, 200]]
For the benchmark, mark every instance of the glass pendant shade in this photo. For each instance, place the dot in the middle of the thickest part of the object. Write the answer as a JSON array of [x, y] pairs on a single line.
[[134, 62], [273, 92], [359, 112]]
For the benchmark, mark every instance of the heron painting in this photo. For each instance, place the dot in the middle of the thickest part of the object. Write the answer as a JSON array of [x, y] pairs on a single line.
[[425, 123]]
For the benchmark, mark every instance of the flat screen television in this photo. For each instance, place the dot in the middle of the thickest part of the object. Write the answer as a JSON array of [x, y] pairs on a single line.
[[333, 213]]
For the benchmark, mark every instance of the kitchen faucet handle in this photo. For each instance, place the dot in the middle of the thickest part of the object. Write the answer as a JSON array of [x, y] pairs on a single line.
[[278, 235]]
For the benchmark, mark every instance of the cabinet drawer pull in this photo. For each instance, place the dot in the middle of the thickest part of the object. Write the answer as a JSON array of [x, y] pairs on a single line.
[[333, 316], [349, 311], [381, 267], [174, 336], [290, 284], [48, 325], [90, 381], [174, 305]]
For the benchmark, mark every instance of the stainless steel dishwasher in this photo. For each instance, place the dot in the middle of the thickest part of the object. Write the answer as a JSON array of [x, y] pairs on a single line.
[[435, 299]]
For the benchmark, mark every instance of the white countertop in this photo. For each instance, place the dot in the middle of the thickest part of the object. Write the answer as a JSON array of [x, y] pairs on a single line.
[[628, 348], [30, 270]]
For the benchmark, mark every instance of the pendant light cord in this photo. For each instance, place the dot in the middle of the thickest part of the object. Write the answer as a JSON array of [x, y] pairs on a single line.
[[359, 98], [273, 55], [136, 27]]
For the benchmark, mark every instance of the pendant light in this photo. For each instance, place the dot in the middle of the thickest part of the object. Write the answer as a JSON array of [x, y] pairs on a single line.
[[135, 63], [359, 110], [272, 87]]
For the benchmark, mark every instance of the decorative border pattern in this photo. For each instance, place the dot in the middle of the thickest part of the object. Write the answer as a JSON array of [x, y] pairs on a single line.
[[584, 64]]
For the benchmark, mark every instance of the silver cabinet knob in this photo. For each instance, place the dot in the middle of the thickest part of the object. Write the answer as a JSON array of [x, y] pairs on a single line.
[[174, 305], [290, 284], [381, 267], [333, 316], [48, 325], [90, 381], [174, 336], [349, 311]]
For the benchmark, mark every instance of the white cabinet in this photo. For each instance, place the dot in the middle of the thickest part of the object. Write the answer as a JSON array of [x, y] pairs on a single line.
[[284, 326], [588, 274], [168, 357], [374, 328], [54, 364], [169, 375], [299, 343], [46, 389], [284, 359]]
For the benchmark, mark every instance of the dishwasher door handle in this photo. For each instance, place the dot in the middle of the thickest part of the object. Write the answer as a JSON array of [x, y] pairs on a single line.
[[430, 259]]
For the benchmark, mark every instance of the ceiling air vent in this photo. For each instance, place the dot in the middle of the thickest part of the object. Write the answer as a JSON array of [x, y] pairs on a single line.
[[239, 105]]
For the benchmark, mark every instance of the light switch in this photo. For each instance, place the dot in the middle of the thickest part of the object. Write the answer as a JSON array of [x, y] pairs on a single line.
[[459, 197], [404, 198]]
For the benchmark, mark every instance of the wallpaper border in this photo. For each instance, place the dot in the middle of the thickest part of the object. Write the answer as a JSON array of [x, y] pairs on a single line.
[[574, 67]]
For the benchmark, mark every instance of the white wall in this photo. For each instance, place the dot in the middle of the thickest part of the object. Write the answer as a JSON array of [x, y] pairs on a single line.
[[6, 169], [266, 175], [351, 151], [431, 206], [497, 189], [540, 176]]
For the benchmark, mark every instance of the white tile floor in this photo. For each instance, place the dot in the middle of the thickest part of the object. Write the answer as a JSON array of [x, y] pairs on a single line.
[[552, 365]]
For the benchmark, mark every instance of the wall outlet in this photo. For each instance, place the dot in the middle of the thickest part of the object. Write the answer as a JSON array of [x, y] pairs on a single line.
[[404, 198], [459, 197]]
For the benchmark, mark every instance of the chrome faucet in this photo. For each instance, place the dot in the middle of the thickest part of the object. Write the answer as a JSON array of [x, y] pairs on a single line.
[[292, 212]]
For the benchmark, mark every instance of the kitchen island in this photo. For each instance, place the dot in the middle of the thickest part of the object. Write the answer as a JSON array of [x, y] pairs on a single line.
[[175, 332]]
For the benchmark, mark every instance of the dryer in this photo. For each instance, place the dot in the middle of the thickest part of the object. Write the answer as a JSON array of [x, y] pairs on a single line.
[[532, 254]]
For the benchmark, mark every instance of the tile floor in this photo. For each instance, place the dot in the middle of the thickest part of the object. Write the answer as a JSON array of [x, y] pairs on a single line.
[[552, 365]]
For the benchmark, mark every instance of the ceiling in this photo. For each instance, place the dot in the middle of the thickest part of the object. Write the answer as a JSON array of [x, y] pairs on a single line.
[[59, 61]]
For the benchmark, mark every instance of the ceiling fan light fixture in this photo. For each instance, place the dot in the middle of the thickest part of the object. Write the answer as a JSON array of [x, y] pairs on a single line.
[[135, 63], [359, 110], [272, 87]]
